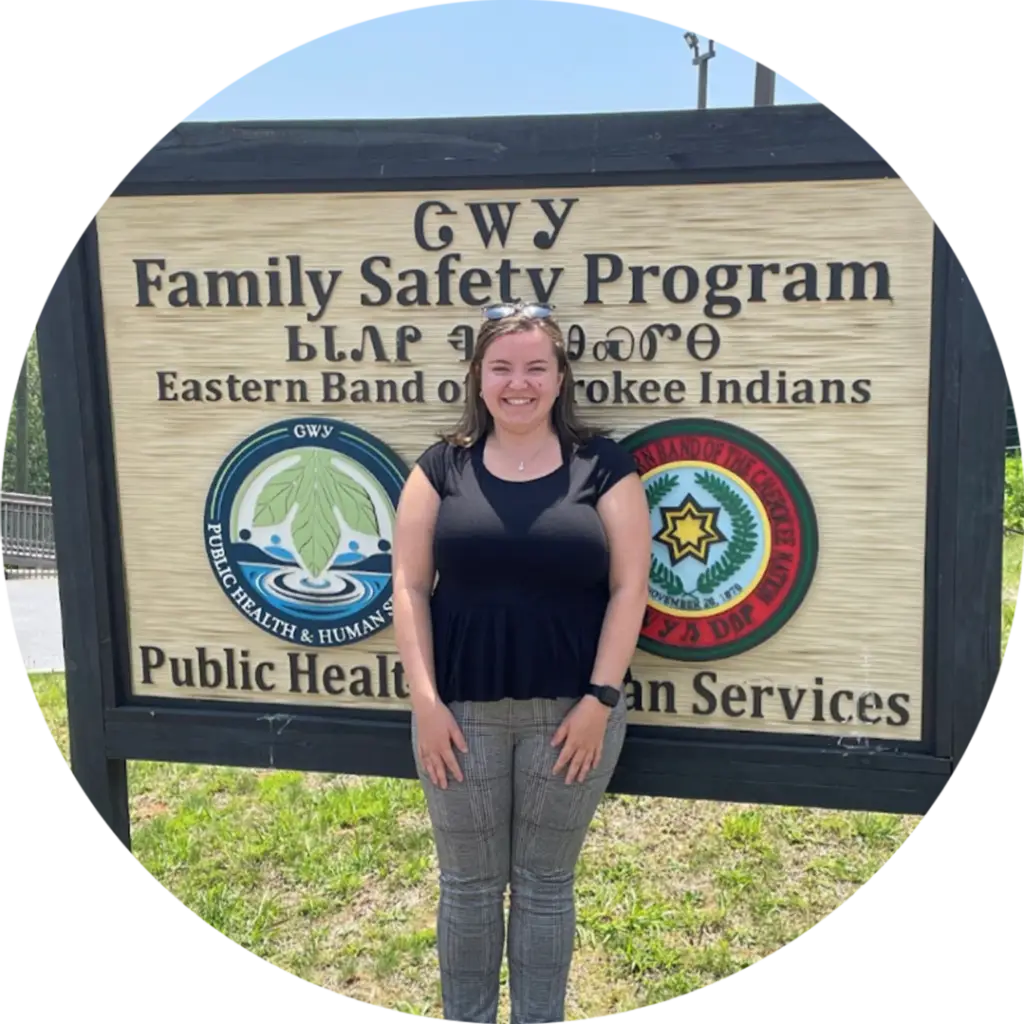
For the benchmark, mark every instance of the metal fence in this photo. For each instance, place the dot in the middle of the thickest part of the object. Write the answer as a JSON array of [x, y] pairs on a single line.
[[26, 523]]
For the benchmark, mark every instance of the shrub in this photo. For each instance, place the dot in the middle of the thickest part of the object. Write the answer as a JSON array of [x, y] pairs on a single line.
[[1013, 506]]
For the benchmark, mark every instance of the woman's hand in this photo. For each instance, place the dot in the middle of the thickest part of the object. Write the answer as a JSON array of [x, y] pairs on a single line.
[[582, 731], [436, 731]]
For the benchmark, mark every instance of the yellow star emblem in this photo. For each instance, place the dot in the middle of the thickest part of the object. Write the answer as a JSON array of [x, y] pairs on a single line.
[[689, 530]]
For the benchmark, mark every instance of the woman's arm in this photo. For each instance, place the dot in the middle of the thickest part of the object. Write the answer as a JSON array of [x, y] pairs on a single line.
[[413, 581], [623, 511]]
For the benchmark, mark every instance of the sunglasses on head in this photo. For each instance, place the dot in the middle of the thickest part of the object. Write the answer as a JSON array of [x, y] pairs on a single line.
[[531, 310]]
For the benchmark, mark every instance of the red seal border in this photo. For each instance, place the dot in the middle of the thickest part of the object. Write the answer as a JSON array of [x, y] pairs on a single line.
[[794, 539]]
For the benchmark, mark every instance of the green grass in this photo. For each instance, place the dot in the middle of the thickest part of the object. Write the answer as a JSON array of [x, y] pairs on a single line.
[[1013, 551], [333, 878]]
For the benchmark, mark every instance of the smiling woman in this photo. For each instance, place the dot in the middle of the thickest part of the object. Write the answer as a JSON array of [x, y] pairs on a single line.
[[534, 528], [519, 380]]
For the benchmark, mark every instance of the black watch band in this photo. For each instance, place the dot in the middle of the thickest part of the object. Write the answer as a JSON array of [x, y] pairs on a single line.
[[608, 695]]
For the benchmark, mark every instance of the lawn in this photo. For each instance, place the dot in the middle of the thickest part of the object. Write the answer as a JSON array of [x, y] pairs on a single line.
[[1013, 551], [333, 877]]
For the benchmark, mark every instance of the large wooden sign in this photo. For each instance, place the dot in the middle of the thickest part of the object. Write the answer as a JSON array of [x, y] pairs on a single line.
[[265, 326]]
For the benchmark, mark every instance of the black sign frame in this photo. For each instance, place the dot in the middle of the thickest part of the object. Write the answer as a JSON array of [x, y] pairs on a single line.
[[968, 396]]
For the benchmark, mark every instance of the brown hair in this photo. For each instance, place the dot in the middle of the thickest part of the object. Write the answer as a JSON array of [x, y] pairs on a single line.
[[476, 421]]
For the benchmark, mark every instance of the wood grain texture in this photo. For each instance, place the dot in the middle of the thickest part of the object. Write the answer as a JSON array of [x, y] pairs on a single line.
[[860, 626]]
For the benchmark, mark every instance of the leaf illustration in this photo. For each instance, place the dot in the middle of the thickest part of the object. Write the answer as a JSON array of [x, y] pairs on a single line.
[[315, 528], [660, 489], [278, 496], [322, 491], [354, 503], [744, 534], [667, 579]]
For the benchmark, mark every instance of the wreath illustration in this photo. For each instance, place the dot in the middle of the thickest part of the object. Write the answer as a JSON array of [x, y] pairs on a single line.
[[738, 552]]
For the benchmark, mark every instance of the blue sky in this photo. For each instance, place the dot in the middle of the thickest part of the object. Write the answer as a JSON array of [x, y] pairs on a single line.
[[491, 57]]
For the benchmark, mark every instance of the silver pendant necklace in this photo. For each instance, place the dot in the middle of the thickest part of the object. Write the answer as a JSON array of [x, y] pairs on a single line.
[[524, 462]]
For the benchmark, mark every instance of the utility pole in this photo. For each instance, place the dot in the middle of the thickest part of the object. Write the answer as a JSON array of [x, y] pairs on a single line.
[[21, 431], [764, 86], [701, 60]]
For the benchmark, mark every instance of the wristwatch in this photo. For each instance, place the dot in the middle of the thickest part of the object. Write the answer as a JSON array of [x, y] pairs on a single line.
[[608, 695]]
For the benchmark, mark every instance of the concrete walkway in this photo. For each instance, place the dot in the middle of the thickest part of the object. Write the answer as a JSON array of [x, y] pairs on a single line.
[[35, 608]]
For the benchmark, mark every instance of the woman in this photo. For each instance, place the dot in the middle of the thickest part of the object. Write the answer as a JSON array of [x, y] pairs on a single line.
[[536, 532]]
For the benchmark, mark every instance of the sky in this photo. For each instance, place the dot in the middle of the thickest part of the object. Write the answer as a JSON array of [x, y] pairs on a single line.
[[491, 57]]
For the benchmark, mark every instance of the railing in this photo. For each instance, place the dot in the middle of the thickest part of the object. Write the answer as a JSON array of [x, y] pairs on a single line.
[[26, 523]]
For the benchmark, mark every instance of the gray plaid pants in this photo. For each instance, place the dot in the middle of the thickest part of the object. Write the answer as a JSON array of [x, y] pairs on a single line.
[[511, 822]]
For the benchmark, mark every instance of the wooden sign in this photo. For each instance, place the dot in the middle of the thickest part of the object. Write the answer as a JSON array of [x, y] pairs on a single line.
[[270, 324]]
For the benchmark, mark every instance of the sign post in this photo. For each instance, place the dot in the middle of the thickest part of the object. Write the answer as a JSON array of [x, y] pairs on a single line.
[[266, 324]]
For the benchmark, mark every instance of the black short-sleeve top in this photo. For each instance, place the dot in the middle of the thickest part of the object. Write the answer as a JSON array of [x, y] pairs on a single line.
[[523, 572]]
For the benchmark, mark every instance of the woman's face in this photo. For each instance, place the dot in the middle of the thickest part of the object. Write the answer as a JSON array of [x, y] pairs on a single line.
[[519, 379]]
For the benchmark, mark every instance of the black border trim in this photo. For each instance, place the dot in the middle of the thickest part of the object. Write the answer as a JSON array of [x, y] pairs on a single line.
[[801, 143], [789, 143]]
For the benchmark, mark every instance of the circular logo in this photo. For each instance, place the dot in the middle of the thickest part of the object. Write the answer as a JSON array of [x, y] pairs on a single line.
[[735, 539], [299, 526]]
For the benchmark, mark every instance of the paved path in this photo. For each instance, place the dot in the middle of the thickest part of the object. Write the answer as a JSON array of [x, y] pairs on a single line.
[[35, 607]]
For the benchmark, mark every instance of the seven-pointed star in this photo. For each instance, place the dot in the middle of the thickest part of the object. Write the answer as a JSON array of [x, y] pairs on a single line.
[[689, 530]]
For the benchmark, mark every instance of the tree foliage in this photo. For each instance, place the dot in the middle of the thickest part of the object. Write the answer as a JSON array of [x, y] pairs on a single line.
[[1013, 505], [38, 476]]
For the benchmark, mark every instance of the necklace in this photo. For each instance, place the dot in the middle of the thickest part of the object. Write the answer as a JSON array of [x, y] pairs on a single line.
[[524, 462]]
